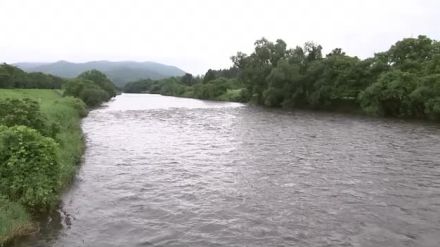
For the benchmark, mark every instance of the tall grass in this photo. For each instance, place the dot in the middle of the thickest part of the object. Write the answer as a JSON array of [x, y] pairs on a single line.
[[14, 221]]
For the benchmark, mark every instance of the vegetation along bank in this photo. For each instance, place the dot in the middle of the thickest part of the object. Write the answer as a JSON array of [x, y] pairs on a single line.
[[401, 82], [40, 140]]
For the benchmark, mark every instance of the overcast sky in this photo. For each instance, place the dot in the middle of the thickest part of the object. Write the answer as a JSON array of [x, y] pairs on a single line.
[[199, 34]]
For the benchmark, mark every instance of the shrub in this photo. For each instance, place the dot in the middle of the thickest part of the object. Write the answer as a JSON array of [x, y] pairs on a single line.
[[101, 80], [25, 112], [29, 170], [390, 95], [88, 91], [78, 105], [93, 96], [236, 95], [432, 108]]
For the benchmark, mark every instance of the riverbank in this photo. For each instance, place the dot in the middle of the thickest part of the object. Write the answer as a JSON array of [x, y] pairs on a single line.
[[15, 219], [402, 82]]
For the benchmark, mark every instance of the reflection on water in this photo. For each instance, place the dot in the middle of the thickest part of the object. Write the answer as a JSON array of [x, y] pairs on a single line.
[[165, 171]]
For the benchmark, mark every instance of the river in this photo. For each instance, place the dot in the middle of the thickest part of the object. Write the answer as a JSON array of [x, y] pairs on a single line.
[[166, 171]]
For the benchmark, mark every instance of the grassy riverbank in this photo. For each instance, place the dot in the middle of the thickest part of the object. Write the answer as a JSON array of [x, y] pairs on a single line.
[[66, 113]]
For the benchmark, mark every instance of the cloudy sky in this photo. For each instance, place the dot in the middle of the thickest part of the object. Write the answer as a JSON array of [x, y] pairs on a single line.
[[199, 34]]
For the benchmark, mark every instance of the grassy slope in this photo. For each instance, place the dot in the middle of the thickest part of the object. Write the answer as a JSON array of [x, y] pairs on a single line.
[[14, 219]]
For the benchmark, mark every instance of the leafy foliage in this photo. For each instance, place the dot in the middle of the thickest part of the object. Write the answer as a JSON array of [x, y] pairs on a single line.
[[170, 86], [401, 82], [25, 112], [65, 112], [100, 79], [217, 89], [13, 77], [92, 87], [29, 169]]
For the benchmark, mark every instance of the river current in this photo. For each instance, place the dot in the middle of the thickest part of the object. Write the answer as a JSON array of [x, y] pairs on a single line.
[[166, 171]]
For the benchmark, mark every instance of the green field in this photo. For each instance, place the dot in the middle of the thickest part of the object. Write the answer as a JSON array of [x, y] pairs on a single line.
[[15, 219]]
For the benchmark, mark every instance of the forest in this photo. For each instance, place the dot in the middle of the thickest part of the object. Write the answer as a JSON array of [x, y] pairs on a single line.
[[403, 81], [13, 77]]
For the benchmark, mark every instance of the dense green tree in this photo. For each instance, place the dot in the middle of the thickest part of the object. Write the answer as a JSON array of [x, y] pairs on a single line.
[[256, 67], [5, 81], [187, 79], [390, 95], [87, 90], [101, 80], [92, 87], [13, 77], [231, 73], [336, 80], [209, 76], [140, 86], [410, 53], [426, 97]]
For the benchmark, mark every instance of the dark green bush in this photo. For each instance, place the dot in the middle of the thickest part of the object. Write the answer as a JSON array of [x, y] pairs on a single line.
[[390, 95], [29, 170], [25, 112], [88, 91], [93, 96], [79, 105], [235, 95], [138, 86], [101, 80]]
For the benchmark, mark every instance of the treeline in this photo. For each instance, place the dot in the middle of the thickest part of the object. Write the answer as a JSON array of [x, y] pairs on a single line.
[[13, 77], [401, 82], [216, 85], [93, 87]]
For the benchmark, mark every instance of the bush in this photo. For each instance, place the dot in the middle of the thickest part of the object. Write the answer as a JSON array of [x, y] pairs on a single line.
[[25, 112], [390, 95], [29, 170], [432, 108], [78, 105], [88, 91], [101, 80], [93, 96], [235, 95]]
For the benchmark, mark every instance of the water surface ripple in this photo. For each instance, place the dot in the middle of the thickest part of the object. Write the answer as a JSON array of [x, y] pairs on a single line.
[[165, 171]]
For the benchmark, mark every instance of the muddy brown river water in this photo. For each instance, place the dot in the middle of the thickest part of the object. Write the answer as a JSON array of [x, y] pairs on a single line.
[[166, 171]]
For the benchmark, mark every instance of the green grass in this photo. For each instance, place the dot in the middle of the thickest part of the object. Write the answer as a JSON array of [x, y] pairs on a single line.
[[14, 219]]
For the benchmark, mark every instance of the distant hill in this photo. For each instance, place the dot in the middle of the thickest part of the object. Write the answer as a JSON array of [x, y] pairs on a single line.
[[119, 72]]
